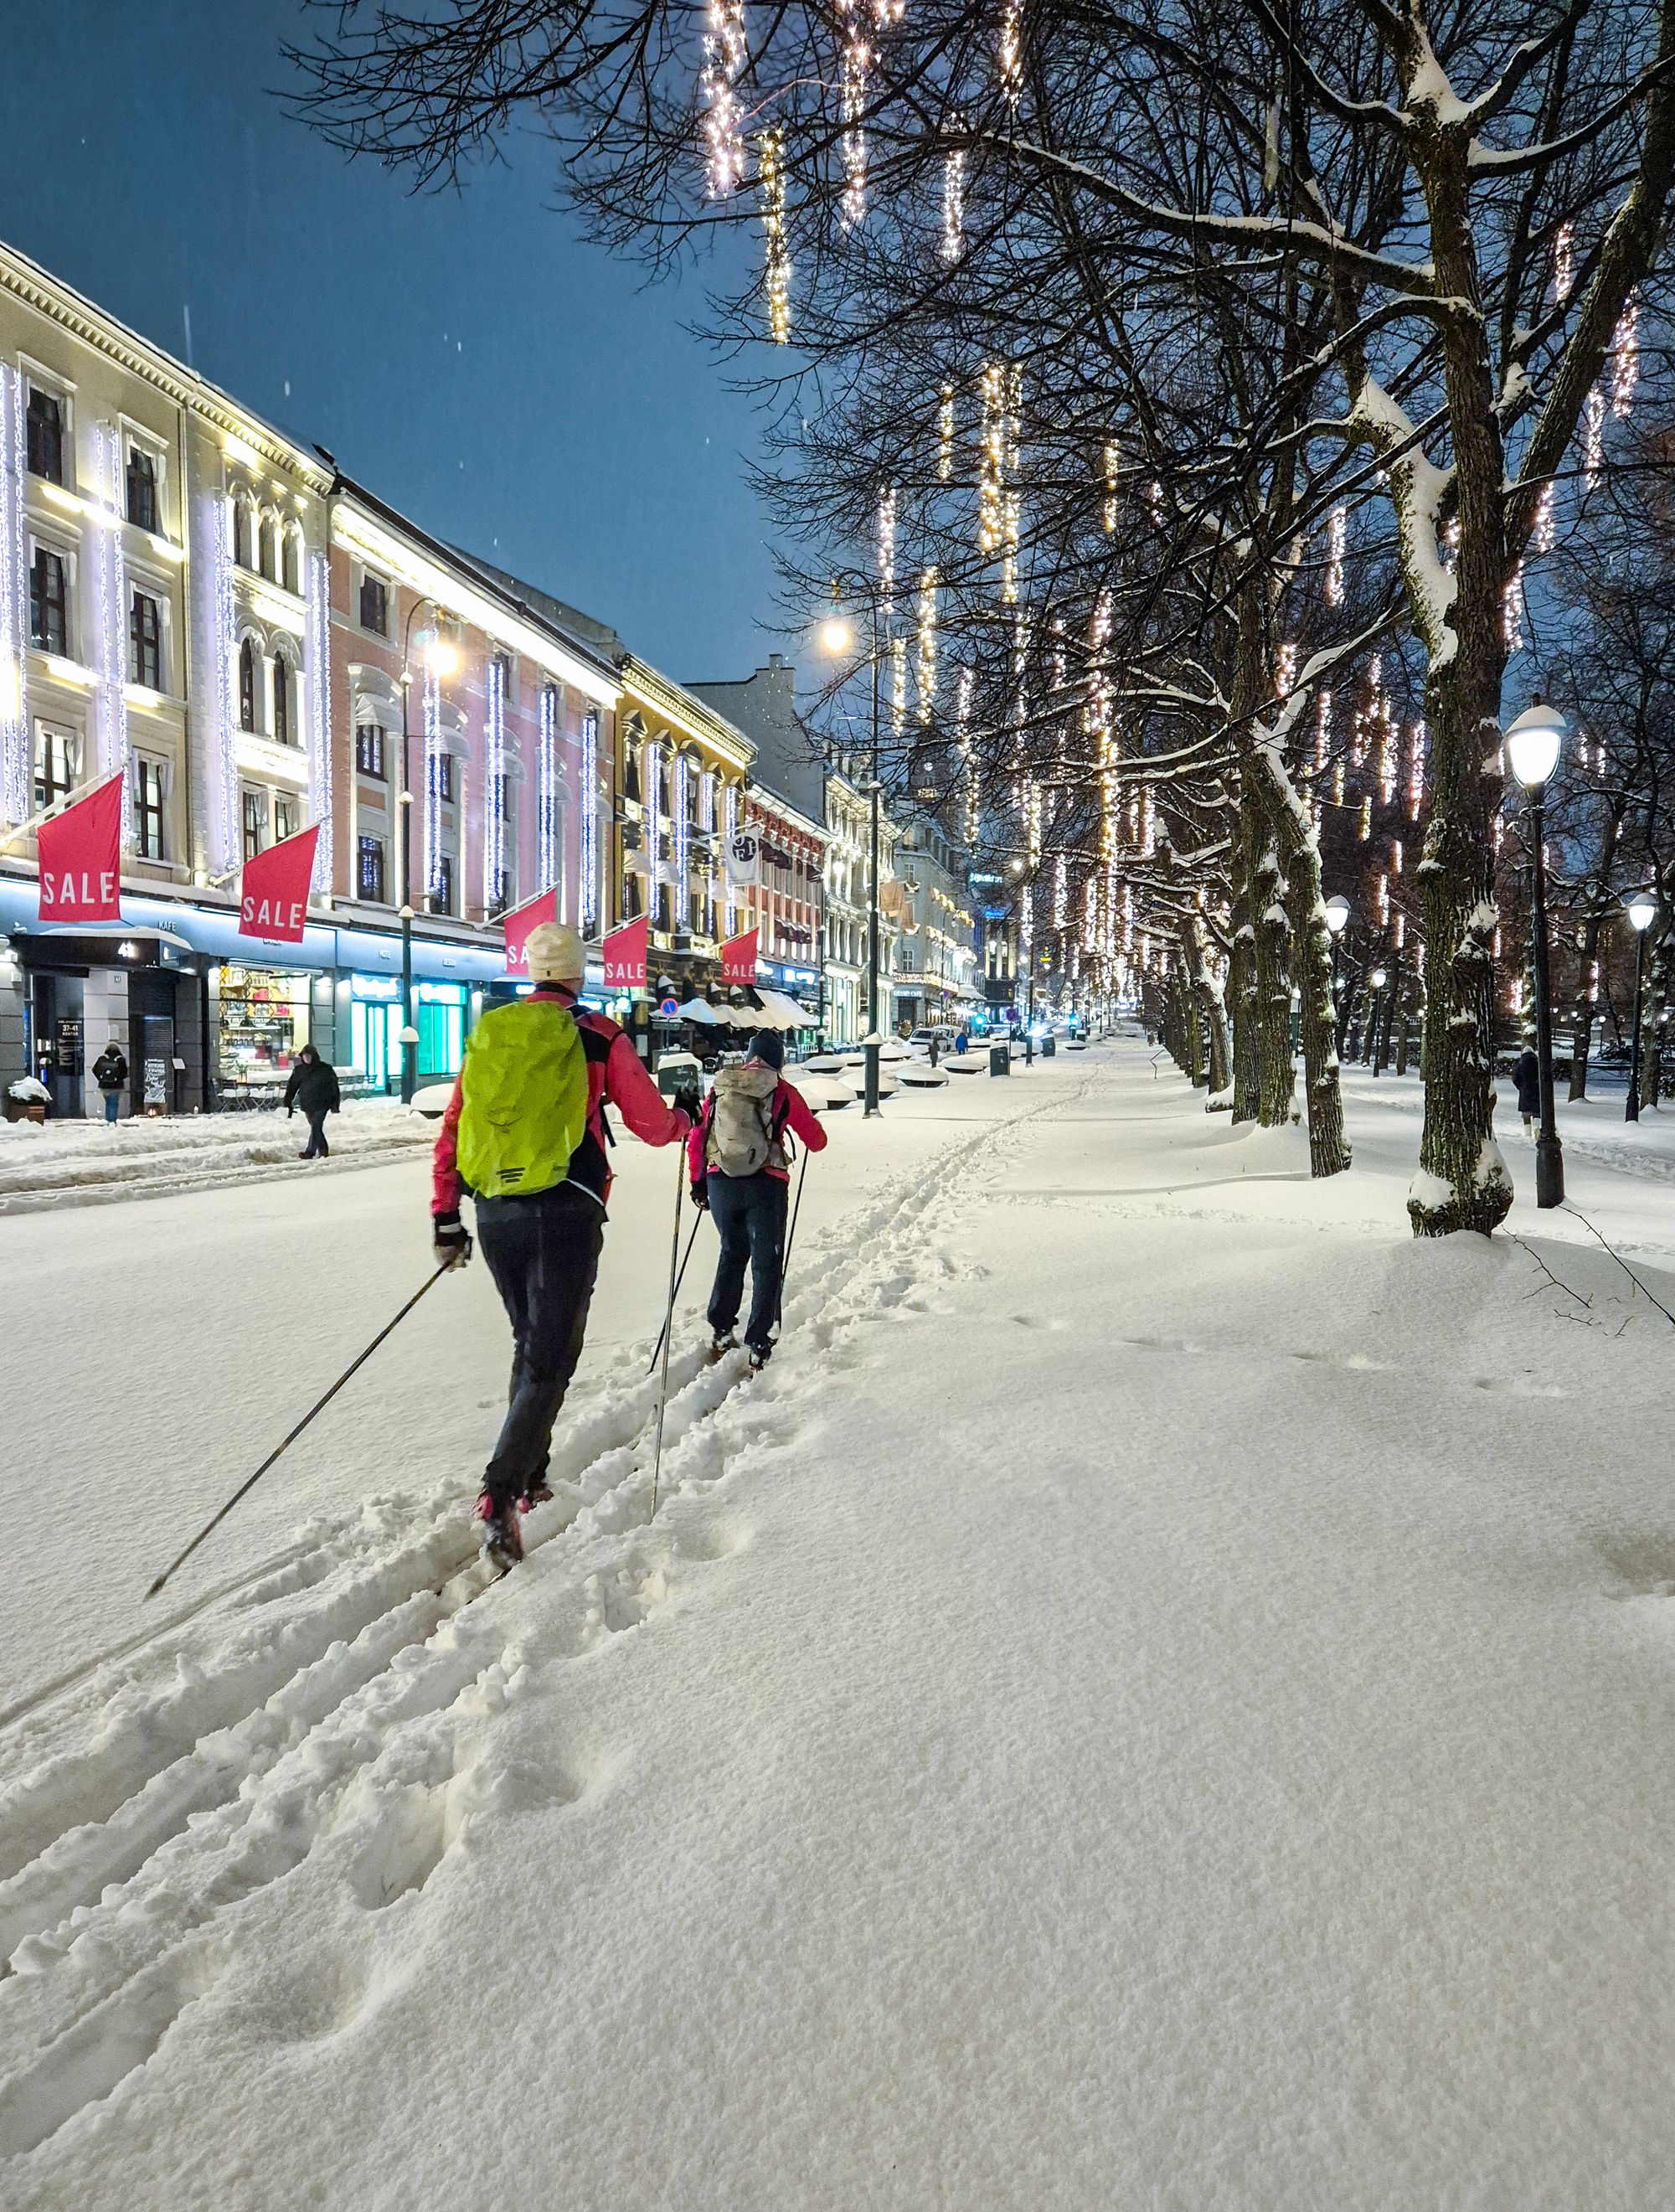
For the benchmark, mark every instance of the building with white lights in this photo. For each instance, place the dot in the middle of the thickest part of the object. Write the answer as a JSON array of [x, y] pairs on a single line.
[[785, 906], [936, 960], [848, 904]]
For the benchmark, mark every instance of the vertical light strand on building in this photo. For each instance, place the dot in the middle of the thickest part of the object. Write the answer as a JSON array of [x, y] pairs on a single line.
[[110, 596], [319, 646], [650, 807], [730, 826], [16, 794], [590, 821], [221, 765], [927, 644], [776, 248], [431, 713], [724, 54], [546, 792], [682, 834]]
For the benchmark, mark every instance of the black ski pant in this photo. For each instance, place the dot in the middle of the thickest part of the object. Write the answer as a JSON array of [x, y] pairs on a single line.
[[544, 1253], [750, 1214], [317, 1147]]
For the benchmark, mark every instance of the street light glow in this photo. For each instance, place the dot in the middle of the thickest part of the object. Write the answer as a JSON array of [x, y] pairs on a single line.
[[835, 636], [1643, 909], [1532, 742], [442, 656], [1380, 979], [1337, 914]]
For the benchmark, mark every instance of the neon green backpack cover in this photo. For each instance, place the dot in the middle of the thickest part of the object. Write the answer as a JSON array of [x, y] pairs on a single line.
[[523, 1099]]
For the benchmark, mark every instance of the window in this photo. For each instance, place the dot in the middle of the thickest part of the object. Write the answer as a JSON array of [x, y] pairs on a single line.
[[247, 684], [292, 577], [375, 605], [145, 641], [269, 543], [256, 823], [445, 777], [503, 662], [369, 879], [142, 489], [441, 899], [369, 750], [56, 753], [282, 700], [148, 808], [284, 815], [45, 435], [49, 627], [240, 533]]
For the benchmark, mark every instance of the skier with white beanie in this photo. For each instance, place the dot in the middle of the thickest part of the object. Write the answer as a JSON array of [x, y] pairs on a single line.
[[526, 1134]]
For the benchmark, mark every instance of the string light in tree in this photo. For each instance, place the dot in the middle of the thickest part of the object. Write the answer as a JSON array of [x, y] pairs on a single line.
[[724, 55], [1322, 729], [1112, 463], [1060, 891], [1009, 58], [991, 480], [945, 435], [1286, 670], [898, 686], [1512, 611], [927, 643], [887, 549], [963, 686], [1337, 525], [776, 256], [1546, 517], [857, 58], [1416, 771], [953, 205], [1625, 347], [1563, 262], [1594, 436]]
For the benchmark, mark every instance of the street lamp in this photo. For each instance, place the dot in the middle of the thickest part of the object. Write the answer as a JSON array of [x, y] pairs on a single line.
[[1532, 742], [1642, 912], [836, 638], [1378, 979], [442, 661]]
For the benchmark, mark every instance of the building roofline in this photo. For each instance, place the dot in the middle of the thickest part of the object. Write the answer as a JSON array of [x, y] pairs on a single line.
[[696, 715]]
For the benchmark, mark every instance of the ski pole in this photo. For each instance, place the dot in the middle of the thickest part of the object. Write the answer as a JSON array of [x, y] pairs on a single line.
[[790, 1238], [679, 1279], [669, 1320], [318, 1407]]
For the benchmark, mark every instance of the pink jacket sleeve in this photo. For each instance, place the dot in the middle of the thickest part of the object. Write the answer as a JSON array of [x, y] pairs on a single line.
[[637, 1098], [445, 1167], [694, 1146], [800, 1118]]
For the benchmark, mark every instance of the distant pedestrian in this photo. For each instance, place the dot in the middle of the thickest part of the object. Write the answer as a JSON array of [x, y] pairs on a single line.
[[1526, 1074], [526, 1134], [740, 1167], [313, 1086], [936, 1050], [961, 1043], [109, 1073]]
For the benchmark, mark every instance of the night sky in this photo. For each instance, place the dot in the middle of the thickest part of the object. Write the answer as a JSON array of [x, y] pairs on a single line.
[[467, 356]]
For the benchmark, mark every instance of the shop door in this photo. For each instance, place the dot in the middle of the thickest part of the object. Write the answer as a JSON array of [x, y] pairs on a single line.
[[377, 1042], [55, 1032], [155, 1076]]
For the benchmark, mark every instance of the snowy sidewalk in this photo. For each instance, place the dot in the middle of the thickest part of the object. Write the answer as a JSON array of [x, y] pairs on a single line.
[[1156, 1698]]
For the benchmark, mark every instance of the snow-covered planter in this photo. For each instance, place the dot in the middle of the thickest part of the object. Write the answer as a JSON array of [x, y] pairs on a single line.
[[27, 1099]]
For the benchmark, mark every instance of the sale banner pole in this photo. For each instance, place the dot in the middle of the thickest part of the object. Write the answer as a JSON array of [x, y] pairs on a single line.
[[28, 828]]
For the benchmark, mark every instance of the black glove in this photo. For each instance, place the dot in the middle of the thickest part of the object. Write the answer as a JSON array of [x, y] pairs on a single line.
[[700, 1195], [450, 1241]]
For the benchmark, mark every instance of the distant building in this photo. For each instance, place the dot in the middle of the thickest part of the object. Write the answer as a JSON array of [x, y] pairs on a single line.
[[937, 962], [789, 759], [787, 907]]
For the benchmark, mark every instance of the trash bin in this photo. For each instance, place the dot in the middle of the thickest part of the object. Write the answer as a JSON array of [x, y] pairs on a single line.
[[1048, 1046], [1000, 1059]]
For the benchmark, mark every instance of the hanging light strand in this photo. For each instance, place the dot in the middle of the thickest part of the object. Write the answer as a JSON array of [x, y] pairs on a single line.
[[776, 254], [724, 55]]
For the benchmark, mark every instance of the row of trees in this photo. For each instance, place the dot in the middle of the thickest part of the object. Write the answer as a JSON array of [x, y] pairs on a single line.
[[1205, 394]]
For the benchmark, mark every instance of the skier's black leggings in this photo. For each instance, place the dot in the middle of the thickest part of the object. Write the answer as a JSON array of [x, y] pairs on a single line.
[[750, 1213], [544, 1253]]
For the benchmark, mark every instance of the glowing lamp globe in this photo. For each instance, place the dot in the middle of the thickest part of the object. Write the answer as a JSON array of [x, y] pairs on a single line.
[[835, 635], [1643, 909], [441, 657], [1380, 979], [1532, 742], [1338, 914]]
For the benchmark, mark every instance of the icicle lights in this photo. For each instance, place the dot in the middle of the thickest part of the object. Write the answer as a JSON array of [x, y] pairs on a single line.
[[320, 714], [546, 792], [953, 206], [927, 644], [724, 55], [776, 252], [590, 821], [16, 782], [852, 89]]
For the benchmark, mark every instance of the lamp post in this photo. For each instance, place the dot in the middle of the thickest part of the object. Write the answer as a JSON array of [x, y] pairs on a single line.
[[1338, 916], [1532, 742], [835, 639], [1379, 978], [442, 659], [1642, 912]]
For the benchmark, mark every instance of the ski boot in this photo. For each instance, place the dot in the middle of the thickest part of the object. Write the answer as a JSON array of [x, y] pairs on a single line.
[[499, 1538], [540, 1492], [760, 1355], [724, 1342]]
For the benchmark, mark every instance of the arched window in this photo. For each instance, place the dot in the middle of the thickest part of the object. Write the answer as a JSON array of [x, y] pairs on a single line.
[[282, 700], [293, 557], [269, 556], [247, 685], [241, 533]]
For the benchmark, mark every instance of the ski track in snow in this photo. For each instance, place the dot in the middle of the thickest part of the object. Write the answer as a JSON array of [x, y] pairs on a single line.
[[162, 1790]]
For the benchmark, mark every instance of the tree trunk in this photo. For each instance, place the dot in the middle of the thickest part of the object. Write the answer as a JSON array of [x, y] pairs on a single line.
[[1311, 953], [1207, 993], [1241, 973]]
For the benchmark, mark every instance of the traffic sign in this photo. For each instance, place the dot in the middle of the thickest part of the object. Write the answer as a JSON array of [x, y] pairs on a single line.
[[669, 1009]]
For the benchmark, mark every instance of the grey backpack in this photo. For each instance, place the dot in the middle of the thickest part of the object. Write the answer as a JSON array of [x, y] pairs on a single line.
[[742, 1138]]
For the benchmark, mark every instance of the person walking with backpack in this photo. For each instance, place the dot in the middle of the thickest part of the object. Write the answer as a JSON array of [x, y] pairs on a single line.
[[526, 1133], [109, 1073], [313, 1086], [740, 1169]]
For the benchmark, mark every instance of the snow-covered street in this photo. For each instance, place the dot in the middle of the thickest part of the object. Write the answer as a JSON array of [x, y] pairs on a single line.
[[1156, 1697]]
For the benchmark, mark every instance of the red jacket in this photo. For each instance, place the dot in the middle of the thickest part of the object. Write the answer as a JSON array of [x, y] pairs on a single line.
[[615, 1073], [791, 1110]]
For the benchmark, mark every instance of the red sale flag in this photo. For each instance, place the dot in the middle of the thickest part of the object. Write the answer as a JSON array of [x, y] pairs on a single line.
[[625, 956], [738, 958], [273, 890], [80, 858], [520, 922]]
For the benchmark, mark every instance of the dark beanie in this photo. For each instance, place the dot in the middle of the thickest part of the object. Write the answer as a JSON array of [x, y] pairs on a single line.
[[769, 1047]]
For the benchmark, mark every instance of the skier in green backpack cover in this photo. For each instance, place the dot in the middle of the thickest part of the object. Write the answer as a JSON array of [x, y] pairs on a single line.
[[525, 1133]]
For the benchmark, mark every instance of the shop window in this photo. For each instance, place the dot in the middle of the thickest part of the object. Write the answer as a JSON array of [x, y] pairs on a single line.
[[369, 750], [49, 603], [263, 1024], [45, 435], [292, 576], [145, 641], [375, 605], [441, 899], [255, 823], [241, 537], [57, 756], [268, 541], [369, 878], [247, 685], [282, 700], [284, 817], [148, 808], [142, 489]]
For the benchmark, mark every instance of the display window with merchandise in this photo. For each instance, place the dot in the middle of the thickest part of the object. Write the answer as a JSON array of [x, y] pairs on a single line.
[[263, 1025]]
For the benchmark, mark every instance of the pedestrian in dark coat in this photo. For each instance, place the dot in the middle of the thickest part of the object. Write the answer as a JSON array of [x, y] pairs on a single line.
[[313, 1086], [109, 1073], [1526, 1074]]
